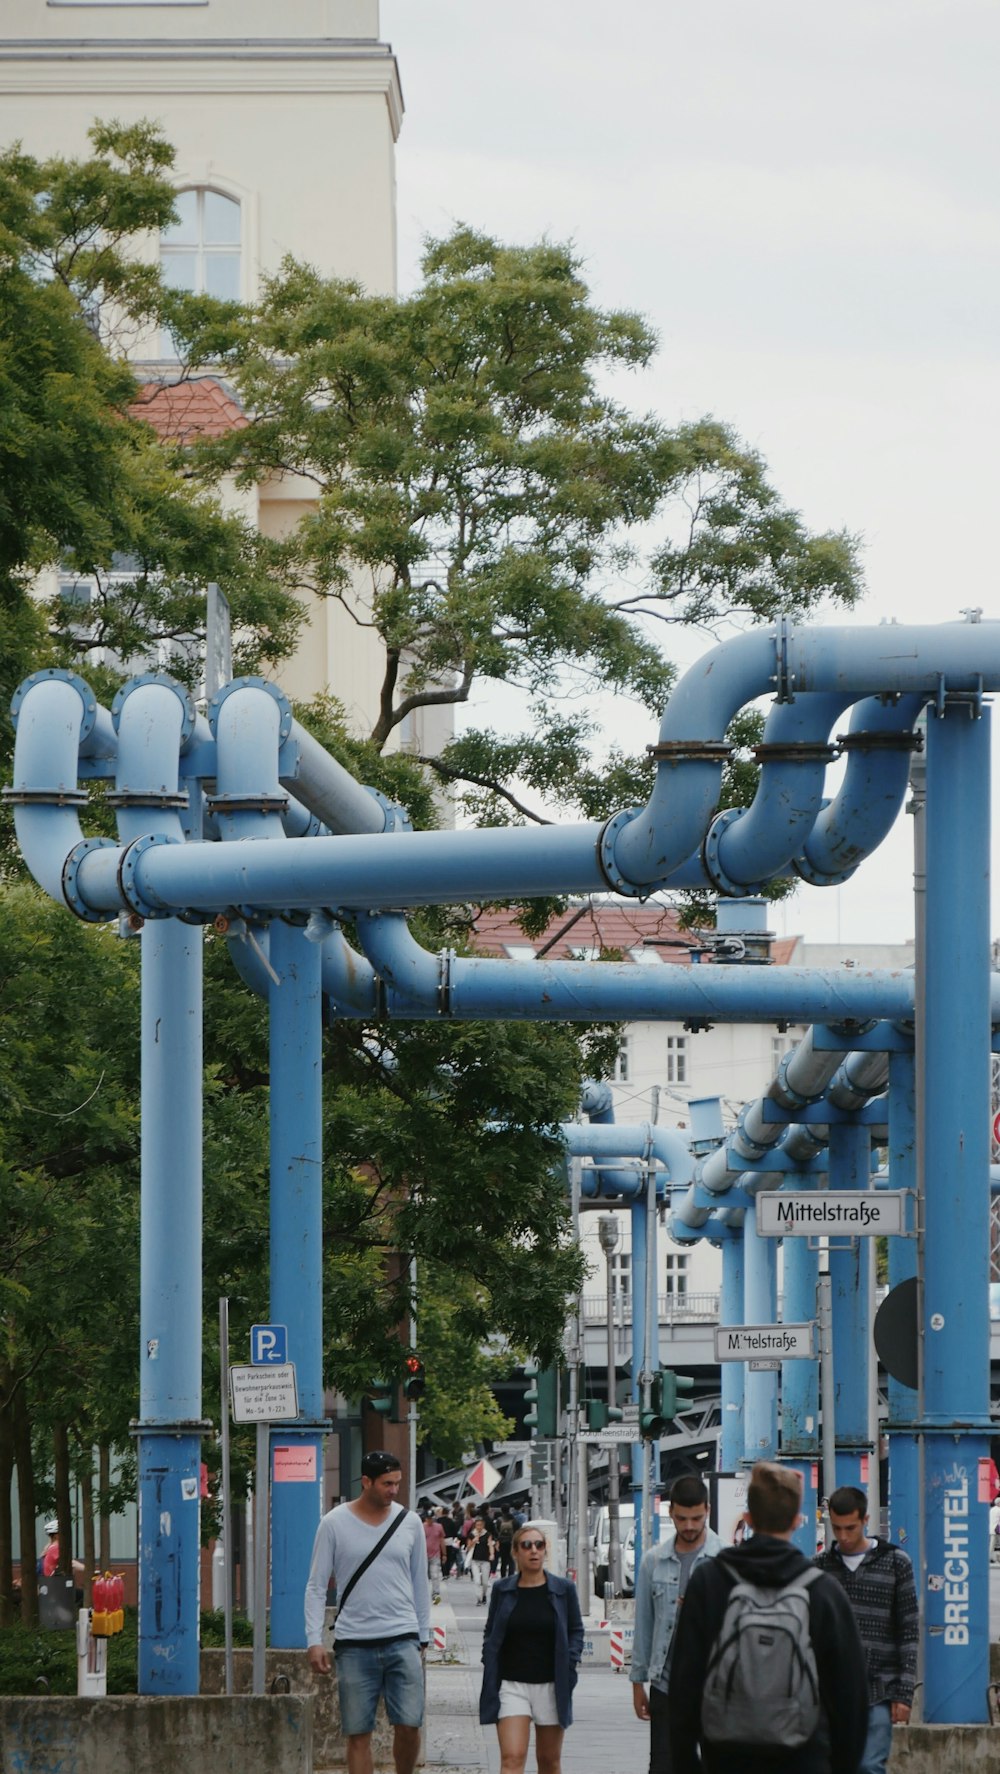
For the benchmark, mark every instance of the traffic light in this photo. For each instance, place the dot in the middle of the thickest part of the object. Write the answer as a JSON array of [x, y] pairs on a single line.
[[542, 1398], [414, 1381], [599, 1414], [382, 1397], [663, 1392]]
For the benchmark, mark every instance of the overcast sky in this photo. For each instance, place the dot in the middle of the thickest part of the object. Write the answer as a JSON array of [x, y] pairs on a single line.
[[803, 201]]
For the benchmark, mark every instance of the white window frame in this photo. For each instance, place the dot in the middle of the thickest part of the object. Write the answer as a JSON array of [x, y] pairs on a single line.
[[677, 1059], [623, 1062], [676, 1273]]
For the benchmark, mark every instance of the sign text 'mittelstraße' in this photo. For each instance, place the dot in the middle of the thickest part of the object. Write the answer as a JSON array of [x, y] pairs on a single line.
[[855, 1213]]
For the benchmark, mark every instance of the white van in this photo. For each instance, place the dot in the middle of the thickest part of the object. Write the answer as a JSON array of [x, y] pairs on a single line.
[[599, 1545]]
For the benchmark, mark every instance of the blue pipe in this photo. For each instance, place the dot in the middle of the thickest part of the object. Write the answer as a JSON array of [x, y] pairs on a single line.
[[733, 1373], [871, 796], [296, 1099], [760, 1298], [850, 1168], [956, 1374], [800, 1379], [904, 1401]]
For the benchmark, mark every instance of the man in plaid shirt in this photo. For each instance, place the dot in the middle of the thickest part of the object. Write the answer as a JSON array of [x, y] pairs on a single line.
[[877, 1577]]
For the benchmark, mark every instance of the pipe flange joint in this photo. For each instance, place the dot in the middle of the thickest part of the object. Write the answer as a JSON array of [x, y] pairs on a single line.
[[606, 855], [690, 751], [43, 797], [795, 751], [70, 885], [710, 857], [285, 723], [127, 797], [128, 886], [246, 803], [818, 877], [396, 817], [166, 682], [55, 674], [905, 740]]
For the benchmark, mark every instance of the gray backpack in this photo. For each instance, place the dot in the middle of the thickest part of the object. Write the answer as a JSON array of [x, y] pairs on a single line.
[[761, 1686]]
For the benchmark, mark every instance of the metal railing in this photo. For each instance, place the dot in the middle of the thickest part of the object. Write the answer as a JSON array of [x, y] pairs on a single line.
[[673, 1308]]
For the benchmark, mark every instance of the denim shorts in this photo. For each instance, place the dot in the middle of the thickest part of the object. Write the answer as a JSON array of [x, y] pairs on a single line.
[[364, 1672]]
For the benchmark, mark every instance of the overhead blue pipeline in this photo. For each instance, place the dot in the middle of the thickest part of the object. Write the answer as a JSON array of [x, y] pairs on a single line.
[[878, 744], [598, 1104], [644, 1140]]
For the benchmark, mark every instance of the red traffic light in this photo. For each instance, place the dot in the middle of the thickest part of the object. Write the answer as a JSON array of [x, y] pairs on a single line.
[[413, 1384]]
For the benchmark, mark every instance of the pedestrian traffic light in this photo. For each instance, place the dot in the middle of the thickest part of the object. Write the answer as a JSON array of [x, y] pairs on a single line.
[[542, 1399], [663, 1391], [413, 1383], [599, 1414], [382, 1397]]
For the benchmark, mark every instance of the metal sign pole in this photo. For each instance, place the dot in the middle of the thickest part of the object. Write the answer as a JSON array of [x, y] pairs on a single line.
[[227, 1506], [261, 1510]]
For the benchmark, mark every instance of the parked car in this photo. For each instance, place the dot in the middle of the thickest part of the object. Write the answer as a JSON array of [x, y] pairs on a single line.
[[600, 1541]]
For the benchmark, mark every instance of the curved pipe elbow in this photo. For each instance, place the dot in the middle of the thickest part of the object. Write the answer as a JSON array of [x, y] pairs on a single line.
[[875, 785], [54, 714], [250, 719], [597, 1101], [350, 987], [153, 717], [414, 981]]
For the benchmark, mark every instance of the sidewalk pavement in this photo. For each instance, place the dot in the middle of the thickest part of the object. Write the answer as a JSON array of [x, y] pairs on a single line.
[[605, 1738]]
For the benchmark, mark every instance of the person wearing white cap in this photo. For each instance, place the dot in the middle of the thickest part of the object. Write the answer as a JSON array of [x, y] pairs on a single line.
[[50, 1557]]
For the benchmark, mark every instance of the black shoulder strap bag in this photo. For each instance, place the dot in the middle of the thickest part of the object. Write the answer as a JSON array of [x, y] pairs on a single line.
[[369, 1559]]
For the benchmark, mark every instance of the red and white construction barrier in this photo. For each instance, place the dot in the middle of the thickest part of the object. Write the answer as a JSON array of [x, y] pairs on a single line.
[[617, 1642], [439, 1639]]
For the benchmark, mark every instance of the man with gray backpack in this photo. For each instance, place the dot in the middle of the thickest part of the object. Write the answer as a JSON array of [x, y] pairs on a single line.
[[768, 1673]]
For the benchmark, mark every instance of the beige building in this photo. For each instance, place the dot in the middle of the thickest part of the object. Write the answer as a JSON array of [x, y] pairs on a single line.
[[284, 118]]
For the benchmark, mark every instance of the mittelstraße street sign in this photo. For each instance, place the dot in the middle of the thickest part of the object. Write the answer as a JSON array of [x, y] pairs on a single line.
[[611, 1434], [764, 1342], [263, 1394], [827, 1213]]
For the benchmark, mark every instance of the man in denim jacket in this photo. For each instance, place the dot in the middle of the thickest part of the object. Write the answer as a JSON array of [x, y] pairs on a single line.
[[659, 1591]]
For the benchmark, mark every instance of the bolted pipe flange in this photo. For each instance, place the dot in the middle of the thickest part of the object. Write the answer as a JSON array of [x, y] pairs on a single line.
[[606, 842], [285, 723], [722, 882], [56, 674], [821, 877], [128, 886], [396, 817], [70, 873], [166, 682]]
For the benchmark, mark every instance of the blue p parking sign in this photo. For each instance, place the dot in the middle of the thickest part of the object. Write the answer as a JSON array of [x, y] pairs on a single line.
[[268, 1344]]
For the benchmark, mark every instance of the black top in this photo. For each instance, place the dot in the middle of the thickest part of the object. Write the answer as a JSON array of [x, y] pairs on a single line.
[[528, 1652]]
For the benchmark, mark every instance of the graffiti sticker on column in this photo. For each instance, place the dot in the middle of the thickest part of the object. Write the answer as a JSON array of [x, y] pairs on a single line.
[[830, 1213]]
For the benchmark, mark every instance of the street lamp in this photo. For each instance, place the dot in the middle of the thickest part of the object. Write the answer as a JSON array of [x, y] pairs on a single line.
[[607, 1230]]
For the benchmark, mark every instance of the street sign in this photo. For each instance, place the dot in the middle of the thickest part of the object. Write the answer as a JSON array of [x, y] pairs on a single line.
[[764, 1367], [263, 1394], [829, 1213], [761, 1342], [611, 1436], [484, 1478], [630, 1413], [268, 1344]]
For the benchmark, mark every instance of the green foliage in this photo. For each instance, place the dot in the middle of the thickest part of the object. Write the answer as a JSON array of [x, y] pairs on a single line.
[[30, 1657]]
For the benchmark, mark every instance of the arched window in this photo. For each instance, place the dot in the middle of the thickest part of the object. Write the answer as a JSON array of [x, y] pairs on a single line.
[[201, 250]]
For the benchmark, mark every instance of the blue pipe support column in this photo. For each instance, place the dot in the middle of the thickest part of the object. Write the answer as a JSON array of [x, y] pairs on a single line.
[[637, 1215], [760, 1293], [296, 1266], [904, 1401], [800, 1383], [733, 1373], [170, 1309], [956, 1366], [850, 1168]]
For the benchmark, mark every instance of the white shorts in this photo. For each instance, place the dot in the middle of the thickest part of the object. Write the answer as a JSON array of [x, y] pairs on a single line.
[[532, 1700]]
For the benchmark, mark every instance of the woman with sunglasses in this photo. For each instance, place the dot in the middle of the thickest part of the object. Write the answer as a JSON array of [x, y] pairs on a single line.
[[531, 1652]]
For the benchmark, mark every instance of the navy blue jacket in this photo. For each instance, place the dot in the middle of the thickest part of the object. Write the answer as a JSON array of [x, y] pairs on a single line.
[[569, 1644]]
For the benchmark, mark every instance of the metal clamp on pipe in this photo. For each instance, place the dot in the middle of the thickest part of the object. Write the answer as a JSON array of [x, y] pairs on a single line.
[[70, 873], [128, 884]]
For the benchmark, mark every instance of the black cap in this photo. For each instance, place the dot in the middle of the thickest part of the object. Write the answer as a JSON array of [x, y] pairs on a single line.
[[377, 1464]]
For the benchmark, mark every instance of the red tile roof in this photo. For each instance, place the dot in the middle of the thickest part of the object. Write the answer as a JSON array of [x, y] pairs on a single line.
[[603, 925], [179, 411]]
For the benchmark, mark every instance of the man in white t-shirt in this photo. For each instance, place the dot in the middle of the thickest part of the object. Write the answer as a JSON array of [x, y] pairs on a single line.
[[383, 1623]]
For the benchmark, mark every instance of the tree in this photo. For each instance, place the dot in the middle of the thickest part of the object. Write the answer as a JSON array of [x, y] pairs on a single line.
[[485, 507]]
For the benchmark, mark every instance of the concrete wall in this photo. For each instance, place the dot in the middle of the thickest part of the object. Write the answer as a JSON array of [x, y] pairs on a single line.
[[252, 1735], [944, 1749], [329, 1749]]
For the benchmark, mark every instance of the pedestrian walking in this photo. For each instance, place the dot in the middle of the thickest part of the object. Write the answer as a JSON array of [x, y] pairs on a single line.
[[375, 1549], [877, 1579], [435, 1543], [531, 1654], [482, 1553], [505, 1541], [661, 1586], [767, 1674]]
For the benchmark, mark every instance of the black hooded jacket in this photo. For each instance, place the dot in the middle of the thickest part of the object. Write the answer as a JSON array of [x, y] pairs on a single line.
[[840, 1661]]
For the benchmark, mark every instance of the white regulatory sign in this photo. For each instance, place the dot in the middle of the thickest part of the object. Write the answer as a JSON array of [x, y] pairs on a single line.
[[764, 1342], [612, 1435], [263, 1394], [829, 1213]]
